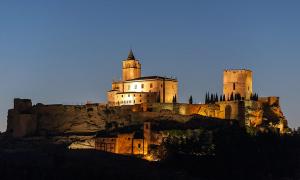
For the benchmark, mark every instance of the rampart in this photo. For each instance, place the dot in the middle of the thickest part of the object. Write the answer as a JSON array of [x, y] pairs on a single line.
[[28, 120]]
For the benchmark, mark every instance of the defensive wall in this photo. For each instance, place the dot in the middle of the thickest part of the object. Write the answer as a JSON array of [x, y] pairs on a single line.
[[26, 119]]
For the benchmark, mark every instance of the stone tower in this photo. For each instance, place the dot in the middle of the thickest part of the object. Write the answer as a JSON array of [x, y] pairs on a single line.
[[131, 67], [237, 81]]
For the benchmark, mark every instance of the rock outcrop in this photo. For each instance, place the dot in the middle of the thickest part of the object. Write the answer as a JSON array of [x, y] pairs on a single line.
[[49, 120]]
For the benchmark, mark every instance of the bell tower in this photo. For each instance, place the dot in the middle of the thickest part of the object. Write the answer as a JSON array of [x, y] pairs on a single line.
[[131, 67]]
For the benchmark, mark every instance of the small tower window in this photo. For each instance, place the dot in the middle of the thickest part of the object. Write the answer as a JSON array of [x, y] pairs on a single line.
[[233, 86], [151, 85]]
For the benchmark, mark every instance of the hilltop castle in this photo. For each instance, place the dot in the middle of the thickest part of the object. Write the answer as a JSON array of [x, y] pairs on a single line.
[[136, 99]]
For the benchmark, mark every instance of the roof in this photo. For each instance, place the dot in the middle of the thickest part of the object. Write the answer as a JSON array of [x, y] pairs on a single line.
[[122, 130], [153, 77], [130, 55]]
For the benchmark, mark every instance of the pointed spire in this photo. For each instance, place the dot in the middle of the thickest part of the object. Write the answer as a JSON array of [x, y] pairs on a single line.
[[130, 55]]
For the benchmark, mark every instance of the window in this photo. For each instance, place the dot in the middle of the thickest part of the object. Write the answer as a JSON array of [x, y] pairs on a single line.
[[140, 100], [233, 86], [128, 95], [151, 85], [142, 86], [146, 126], [161, 85], [128, 87], [139, 146], [134, 95], [135, 86]]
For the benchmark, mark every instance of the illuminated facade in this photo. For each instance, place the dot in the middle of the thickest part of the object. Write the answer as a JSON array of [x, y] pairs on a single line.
[[135, 89], [237, 81], [135, 143]]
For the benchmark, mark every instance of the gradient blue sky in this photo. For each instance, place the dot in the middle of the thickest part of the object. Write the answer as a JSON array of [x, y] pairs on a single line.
[[68, 51]]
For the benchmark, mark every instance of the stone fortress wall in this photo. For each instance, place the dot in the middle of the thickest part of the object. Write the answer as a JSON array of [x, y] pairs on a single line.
[[26, 120]]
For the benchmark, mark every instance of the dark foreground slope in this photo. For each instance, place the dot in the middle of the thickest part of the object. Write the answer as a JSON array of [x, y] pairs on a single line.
[[77, 164]]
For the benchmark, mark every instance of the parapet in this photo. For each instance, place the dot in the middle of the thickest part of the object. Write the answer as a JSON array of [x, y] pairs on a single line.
[[22, 105], [238, 70]]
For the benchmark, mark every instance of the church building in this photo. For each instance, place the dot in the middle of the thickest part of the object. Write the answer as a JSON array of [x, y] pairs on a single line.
[[135, 89]]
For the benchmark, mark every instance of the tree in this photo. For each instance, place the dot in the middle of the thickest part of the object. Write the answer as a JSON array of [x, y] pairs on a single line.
[[231, 97], [174, 99], [191, 100]]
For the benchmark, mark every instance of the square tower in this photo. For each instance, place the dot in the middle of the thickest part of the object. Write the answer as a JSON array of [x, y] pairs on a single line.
[[131, 68], [238, 81]]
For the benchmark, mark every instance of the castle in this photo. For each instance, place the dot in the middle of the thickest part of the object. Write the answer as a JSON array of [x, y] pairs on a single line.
[[135, 89], [136, 99]]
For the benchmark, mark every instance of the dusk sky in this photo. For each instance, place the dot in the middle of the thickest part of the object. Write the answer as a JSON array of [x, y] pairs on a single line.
[[69, 51]]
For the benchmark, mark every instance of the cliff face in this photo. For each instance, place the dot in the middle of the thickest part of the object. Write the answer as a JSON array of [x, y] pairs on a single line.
[[26, 120], [265, 113], [58, 119]]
